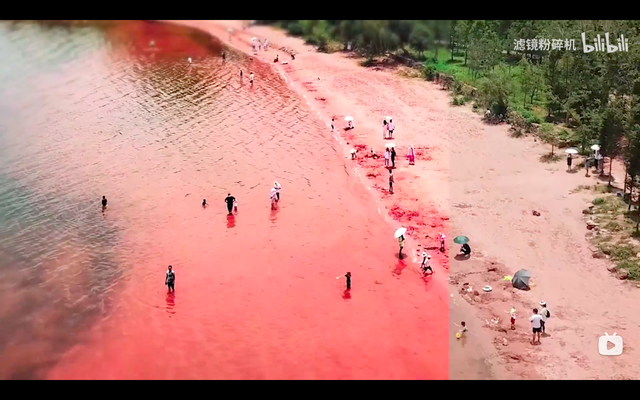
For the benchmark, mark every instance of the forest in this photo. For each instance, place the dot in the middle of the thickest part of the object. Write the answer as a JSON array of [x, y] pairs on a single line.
[[532, 74]]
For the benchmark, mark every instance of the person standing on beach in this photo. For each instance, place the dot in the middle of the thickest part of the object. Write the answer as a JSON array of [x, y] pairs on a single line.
[[392, 127], [426, 263], [230, 200], [599, 165], [387, 158], [391, 180], [442, 238], [251, 79], [170, 279], [204, 203], [544, 314], [536, 325], [587, 162], [241, 73], [333, 124], [224, 56], [393, 157], [385, 129], [569, 161], [273, 197], [104, 204], [401, 244], [348, 276]]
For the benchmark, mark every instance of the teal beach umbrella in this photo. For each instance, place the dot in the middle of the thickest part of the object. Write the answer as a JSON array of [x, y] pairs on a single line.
[[461, 240]]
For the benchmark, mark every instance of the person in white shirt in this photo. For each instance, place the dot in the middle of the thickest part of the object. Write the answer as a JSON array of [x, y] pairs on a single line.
[[277, 187], [426, 263], [544, 313], [273, 196], [536, 325], [392, 127], [442, 238]]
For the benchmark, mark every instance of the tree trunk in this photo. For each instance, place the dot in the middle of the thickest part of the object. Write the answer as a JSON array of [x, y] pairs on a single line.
[[631, 177], [638, 217], [624, 190], [610, 167], [466, 54]]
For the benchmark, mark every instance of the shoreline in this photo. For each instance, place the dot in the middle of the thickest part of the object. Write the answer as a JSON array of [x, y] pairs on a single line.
[[488, 184], [366, 168]]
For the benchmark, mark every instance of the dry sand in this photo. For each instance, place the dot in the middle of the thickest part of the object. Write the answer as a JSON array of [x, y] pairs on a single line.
[[487, 183]]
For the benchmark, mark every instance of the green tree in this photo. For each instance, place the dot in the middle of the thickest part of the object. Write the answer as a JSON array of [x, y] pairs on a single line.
[[549, 135], [495, 91]]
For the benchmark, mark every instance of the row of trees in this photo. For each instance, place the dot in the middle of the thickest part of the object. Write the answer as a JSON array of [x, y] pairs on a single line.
[[596, 95], [373, 37]]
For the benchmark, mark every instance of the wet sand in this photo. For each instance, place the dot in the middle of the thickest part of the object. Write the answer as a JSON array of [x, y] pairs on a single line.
[[488, 184]]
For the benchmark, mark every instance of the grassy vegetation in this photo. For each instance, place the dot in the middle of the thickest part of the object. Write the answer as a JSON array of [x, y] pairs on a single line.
[[617, 231]]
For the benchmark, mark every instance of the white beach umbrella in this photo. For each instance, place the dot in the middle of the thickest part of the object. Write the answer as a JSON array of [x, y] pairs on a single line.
[[571, 151], [400, 232], [347, 118], [390, 145], [387, 118], [253, 39], [595, 147]]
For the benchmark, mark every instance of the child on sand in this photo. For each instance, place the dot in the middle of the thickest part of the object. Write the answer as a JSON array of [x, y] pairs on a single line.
[[273, 196], [391, 180], [392, 127], [348, 276], [442, 237], [387, 158], [463, 329], [513, 318], [204, 203]]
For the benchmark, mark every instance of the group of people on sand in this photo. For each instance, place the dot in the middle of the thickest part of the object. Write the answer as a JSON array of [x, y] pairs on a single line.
[[538, 320]]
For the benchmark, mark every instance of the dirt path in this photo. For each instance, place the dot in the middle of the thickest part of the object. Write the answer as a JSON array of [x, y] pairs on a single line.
[[487, 183]]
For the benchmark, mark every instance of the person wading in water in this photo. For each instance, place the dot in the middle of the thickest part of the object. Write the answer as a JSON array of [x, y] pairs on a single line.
[[170, 279], [230, 200]]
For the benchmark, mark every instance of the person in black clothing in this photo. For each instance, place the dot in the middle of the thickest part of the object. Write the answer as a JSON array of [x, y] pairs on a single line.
[[393, 157], [465, 249], [170, 279], [230, 200], [104, 203], [348, 276], [204, 202], [569, 161], [224, 56]]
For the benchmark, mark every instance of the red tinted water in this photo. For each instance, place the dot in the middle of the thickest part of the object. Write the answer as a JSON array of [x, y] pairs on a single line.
[[256, 294]]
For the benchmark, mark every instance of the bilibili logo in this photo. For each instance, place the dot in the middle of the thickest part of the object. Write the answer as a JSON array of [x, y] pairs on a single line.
[[601, 44]]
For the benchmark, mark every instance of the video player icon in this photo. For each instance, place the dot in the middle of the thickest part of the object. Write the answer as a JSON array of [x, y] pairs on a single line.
[[610, 345]]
